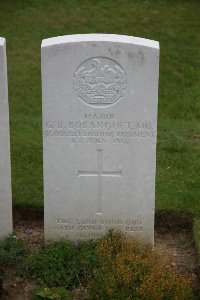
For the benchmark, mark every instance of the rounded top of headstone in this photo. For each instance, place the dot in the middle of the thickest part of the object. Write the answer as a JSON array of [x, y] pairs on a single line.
[[99, 37], [2, 41]]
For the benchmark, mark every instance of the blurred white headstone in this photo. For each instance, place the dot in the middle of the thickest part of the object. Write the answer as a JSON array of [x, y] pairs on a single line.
[[5, 167]]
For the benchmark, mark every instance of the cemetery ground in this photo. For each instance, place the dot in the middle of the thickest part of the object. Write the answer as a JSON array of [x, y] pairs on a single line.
[[173, 240], [175, 24]]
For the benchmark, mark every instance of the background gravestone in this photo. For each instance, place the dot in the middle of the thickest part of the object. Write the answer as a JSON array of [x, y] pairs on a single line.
[[99, 135], [5, 168]]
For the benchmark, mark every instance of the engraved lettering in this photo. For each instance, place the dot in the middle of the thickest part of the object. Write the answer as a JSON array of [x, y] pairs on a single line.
[[99, 116], [138, 229], [89, 227], [86, 221], [68, 221], [144, 125], [134, 222], [88, 234], [64, 227]]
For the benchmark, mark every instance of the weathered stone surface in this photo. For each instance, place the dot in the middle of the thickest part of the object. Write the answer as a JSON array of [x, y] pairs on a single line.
[[5, 168], [99, 131]]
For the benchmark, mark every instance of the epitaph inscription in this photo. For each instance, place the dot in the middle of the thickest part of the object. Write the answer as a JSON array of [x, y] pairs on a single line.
[[99, 81], [95, 228]]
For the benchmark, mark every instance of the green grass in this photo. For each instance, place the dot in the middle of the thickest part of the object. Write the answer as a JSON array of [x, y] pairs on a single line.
[[12, 251], [52, 293], [175, 24]]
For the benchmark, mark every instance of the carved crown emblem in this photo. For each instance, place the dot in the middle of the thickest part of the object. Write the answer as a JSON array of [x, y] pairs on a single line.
[[99, 81]]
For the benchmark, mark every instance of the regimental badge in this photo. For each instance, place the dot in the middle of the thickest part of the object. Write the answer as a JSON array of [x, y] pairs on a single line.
[[99, 81]]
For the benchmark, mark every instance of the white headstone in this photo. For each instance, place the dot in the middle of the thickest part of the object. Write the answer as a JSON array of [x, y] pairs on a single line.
[[5, 168], [99, 131]]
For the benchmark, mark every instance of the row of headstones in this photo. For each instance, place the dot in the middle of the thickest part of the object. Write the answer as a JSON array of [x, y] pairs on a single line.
[[99, 136]]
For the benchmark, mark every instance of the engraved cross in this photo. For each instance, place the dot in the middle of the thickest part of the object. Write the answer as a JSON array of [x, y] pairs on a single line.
[[100, 173]]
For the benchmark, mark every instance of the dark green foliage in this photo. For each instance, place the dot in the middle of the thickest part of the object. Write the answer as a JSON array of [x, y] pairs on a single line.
[[62, 264], [129, 271], [52, 293], [12, 251], [114, 267]]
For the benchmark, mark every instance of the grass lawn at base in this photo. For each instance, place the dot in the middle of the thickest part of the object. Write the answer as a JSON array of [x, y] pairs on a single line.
[[175, 24]]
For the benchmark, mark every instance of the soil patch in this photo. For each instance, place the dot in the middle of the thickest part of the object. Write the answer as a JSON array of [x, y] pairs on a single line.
[[173, 236]]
